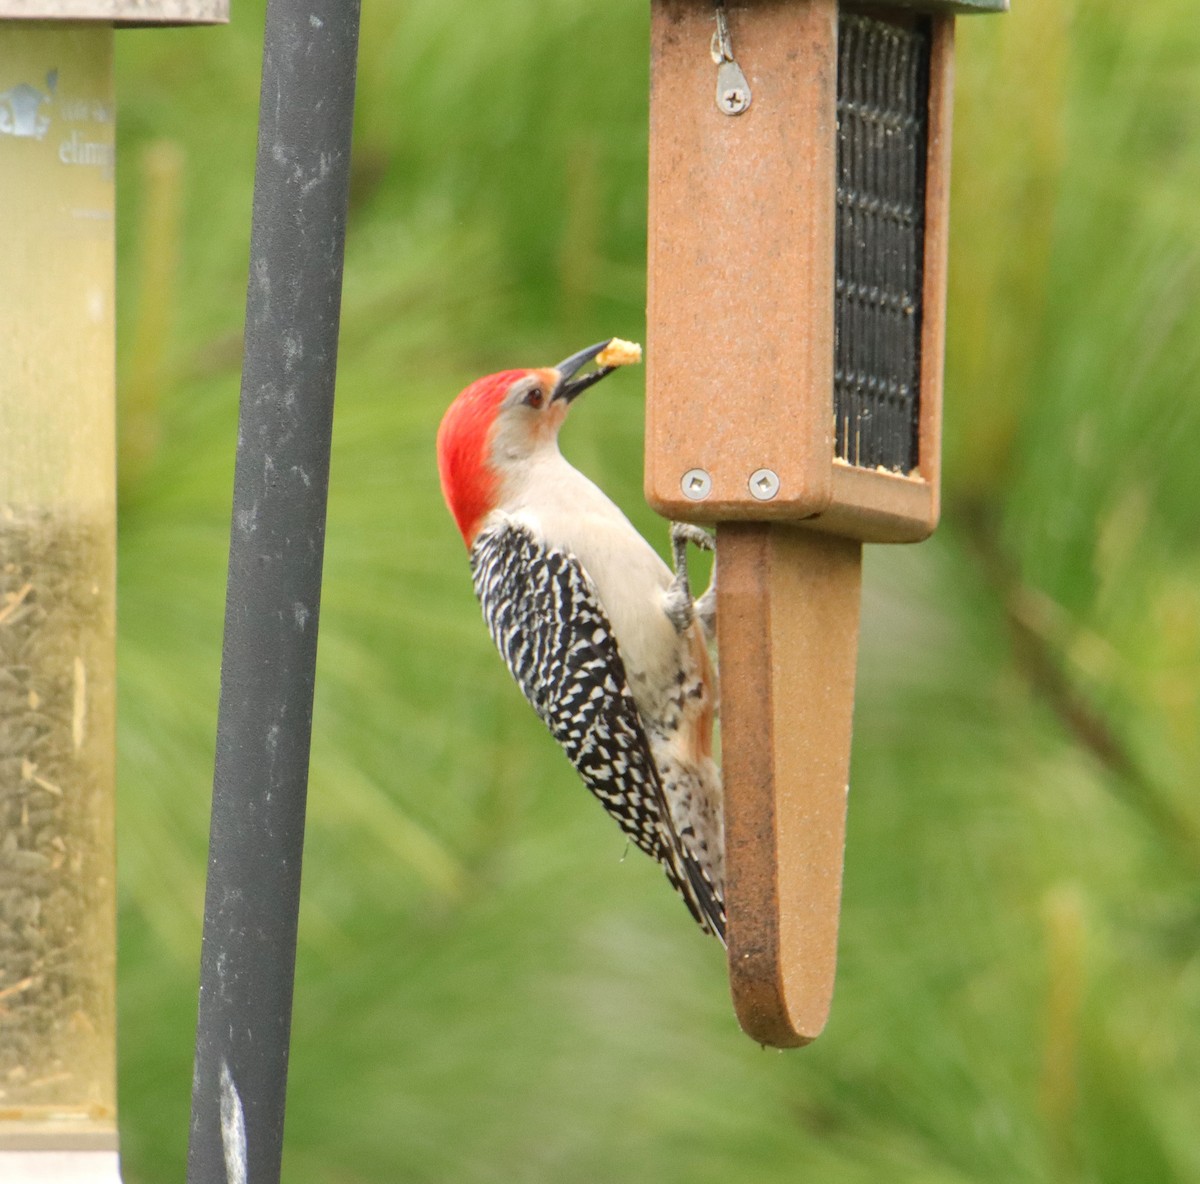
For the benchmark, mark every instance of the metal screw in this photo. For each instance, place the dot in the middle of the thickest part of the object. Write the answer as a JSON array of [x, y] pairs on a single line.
[[734, 102], [733, 90], [764, 484], [696, 484]]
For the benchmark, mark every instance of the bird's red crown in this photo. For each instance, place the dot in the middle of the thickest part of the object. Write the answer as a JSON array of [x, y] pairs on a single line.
[[469, 483]]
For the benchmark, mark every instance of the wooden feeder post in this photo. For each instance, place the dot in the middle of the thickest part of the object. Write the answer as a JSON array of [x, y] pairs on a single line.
[[57, 586], [799, 169]]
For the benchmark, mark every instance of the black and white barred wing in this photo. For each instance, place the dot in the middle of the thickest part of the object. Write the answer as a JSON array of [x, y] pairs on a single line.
[[544, 615]]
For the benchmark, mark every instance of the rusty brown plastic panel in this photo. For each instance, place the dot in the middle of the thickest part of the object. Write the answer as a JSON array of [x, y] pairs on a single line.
[[788, 609], [741, 277], [741, 222]]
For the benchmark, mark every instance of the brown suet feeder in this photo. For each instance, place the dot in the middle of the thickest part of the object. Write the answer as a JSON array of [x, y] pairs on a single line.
[[57, 585], [799, 175]]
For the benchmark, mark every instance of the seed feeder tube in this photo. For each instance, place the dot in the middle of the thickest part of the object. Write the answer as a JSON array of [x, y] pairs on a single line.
[[58, 1106]]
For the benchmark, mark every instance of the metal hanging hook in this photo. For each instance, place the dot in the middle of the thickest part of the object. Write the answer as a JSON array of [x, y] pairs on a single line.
[[722, 44], [733, 91]]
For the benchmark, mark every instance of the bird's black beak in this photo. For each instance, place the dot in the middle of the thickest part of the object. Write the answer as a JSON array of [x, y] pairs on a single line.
[[568, 385]]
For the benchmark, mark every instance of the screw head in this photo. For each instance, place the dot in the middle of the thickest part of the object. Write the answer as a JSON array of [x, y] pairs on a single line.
[[734, 101], [764, 484], [733, 90], [696, 484]]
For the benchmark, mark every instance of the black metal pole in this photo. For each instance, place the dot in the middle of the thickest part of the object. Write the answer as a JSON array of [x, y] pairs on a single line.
[[275, 553]]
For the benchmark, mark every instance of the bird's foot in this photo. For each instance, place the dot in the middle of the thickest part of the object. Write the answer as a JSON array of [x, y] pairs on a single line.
[[678, 604]]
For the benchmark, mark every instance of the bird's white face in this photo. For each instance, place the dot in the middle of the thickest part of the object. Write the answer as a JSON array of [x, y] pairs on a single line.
[[529, 418], [502, 427]]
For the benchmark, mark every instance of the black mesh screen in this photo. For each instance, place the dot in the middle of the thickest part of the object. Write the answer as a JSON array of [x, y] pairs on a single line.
[[883, 114]]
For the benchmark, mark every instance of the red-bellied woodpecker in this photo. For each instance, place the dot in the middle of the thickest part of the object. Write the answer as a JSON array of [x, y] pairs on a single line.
[[606, 644]]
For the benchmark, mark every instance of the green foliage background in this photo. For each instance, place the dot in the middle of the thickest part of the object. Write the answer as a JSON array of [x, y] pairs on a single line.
[[486, 992]]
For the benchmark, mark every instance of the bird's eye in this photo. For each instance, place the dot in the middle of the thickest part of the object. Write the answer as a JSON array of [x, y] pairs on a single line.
[[535, 398]]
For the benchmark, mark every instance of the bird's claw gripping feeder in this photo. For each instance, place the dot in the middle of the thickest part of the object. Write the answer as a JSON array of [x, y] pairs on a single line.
[[797, 246], [57, 565]]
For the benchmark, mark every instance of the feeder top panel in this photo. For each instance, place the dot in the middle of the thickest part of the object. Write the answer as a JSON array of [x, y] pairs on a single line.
[[119, 12], [959, 6]]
